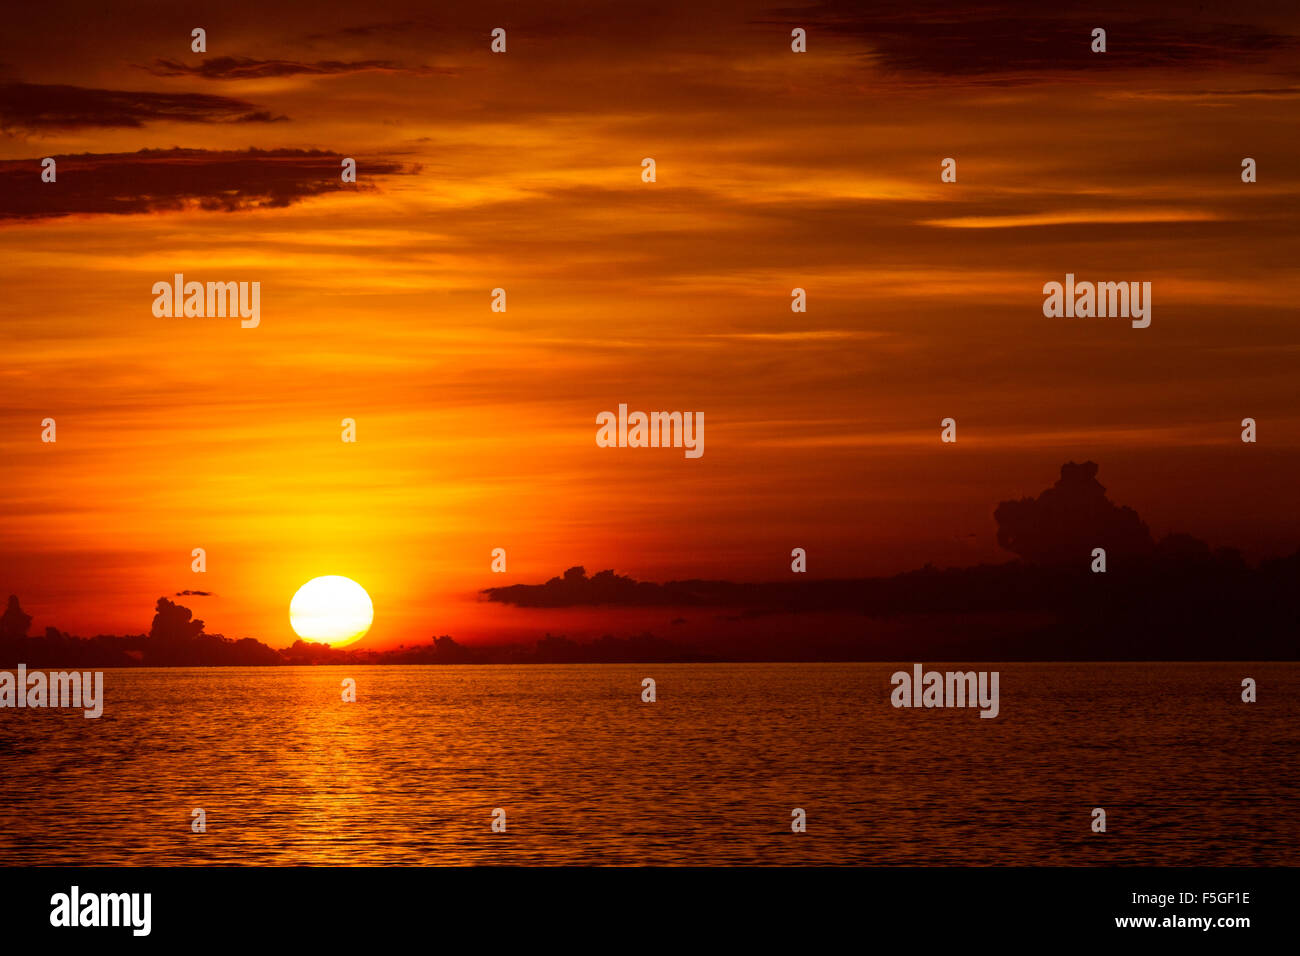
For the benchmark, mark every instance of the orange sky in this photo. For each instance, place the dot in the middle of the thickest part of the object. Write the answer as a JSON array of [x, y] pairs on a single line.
[[775, 170]]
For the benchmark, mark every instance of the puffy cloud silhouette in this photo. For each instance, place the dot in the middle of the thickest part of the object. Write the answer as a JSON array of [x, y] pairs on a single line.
[[174, 623], [14, 623], [1063, 524]]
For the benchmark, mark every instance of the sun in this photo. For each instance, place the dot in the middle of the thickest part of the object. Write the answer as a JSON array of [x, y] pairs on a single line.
[[332, 610]]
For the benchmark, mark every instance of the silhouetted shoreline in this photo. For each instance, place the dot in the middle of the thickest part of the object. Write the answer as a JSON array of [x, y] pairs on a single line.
[[1216, 609], [1169, 600]]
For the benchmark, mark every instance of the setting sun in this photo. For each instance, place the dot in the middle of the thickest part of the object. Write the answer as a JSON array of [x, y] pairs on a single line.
[[331, 609]]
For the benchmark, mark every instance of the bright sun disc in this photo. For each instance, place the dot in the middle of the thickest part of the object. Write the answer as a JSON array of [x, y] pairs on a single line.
[[331, 609]]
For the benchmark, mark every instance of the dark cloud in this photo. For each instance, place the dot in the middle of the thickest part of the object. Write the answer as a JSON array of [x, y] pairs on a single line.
[[159, 180], [260, 116], [193, 594], [913, 591], [39, 106], [603, 588], [1277, 92], [247, 68], [174, 623], [1067, 521], [14, 623], [921, 591], [1018, 40], [1054, 533]]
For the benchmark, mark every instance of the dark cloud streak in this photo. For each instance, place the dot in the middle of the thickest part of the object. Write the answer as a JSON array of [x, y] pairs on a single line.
[[247, 68], [40, 106], [1017, 41], [159, 180]]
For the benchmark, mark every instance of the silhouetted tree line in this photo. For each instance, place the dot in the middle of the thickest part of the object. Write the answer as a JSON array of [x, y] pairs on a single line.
[[177, 639], [550, 649], [1172, 599]]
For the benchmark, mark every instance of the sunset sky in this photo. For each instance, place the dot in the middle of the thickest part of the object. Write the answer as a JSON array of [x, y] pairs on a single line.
[[775, 170]]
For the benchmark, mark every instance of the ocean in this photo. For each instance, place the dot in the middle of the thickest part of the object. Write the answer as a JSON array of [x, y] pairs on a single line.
[[710, 773]]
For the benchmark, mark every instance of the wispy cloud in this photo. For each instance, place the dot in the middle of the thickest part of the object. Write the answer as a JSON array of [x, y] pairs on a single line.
[[1018, 220], [247, 68], [1259, 93]]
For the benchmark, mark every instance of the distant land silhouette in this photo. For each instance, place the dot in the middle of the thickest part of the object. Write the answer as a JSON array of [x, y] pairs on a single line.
[[1172, 599]]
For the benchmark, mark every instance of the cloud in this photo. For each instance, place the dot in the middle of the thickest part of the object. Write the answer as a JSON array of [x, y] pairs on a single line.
[[607, 589], [34, 106], [926, 591], [1058, 529], [603, 588], [1021, 41], [174, 623], [163, 180], [1063, 524], [1258, 93], [193, 594], [247, 68]]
